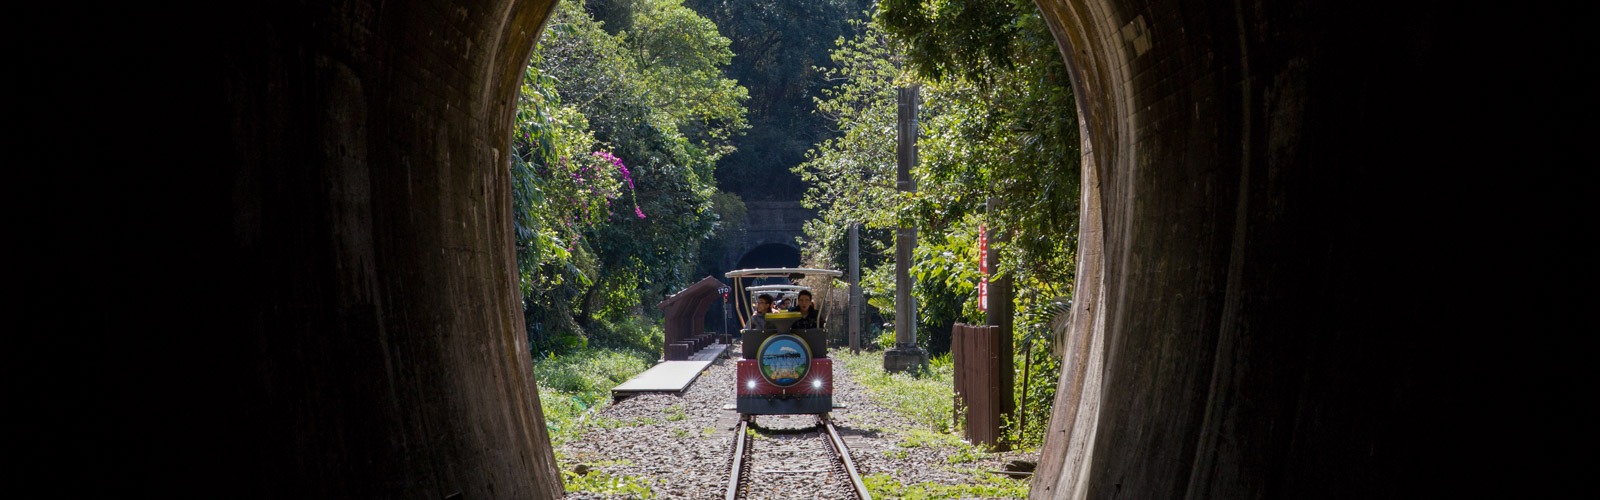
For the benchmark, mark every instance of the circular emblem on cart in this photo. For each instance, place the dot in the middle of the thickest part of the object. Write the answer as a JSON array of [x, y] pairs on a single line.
[[784, 359]]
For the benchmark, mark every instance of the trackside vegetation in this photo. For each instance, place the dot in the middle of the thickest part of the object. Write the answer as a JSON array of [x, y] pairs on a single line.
[[643, 126], [998, 151]]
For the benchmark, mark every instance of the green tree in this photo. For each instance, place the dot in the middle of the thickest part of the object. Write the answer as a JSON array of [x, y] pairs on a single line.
[[681, 56], [970, 39], [780, 44], [621, 187], [852, 176], [998, 148]]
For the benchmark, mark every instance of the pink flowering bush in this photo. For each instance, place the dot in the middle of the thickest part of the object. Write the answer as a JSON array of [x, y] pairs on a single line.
[[626, 176]]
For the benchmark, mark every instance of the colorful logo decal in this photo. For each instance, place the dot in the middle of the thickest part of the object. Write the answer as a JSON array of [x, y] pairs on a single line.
[[784, 359]]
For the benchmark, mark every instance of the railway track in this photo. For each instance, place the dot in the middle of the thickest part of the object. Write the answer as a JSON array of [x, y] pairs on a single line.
[[788, 463]]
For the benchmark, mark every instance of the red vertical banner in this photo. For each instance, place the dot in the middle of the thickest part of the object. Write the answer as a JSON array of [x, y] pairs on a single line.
[[983, 268]]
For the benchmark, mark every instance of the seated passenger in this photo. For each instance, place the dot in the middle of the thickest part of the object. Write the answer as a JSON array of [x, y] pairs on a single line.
[[758, 319], [809, 317]]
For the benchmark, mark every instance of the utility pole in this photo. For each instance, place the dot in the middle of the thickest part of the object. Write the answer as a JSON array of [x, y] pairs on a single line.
[[999, 313], [855, 288], [905, 356]]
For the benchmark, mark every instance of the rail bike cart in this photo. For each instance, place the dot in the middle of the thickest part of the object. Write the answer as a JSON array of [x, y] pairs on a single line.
[[778, 293], [782, 370]]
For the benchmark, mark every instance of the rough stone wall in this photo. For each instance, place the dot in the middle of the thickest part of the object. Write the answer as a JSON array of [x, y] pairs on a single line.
[[769, 222], [393, 361], [308, 286], [1289, 205]]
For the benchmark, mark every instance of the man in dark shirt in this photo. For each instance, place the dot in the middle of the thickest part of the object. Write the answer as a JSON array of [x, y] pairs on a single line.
[[758, 320], [809, 316]]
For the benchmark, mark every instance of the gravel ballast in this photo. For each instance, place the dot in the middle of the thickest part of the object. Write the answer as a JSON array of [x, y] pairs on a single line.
[[680, 446]]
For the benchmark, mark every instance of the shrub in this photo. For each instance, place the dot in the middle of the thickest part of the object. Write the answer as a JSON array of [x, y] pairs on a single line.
[[571, 384], [925, 398]]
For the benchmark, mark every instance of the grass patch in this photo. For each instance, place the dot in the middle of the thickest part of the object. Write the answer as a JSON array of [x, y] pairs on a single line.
[[987, 486], [572, 384], [919, 438], [604, 483], [965, 454], [926, 398], [961, 452]]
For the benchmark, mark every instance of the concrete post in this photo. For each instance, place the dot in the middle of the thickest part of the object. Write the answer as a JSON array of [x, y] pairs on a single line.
[[905, 355], [999, 314], [854, 309]]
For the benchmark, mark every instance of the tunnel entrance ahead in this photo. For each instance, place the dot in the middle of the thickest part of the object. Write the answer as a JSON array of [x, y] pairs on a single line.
[[763, 255], [1300, 222], [770, 255]]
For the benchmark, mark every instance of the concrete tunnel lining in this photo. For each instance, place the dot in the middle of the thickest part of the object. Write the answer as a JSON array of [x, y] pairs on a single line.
[[766, 254], [1271, 312], [427, 390], [1223, 263]]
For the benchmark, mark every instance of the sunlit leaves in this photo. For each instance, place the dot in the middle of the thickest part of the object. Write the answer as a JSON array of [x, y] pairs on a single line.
[[618, 134], [549, 204], [970, 39], [998, 146], [852, 176], [681, 57]]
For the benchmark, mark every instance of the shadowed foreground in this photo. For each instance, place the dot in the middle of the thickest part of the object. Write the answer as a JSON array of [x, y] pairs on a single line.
[[1329, 250]]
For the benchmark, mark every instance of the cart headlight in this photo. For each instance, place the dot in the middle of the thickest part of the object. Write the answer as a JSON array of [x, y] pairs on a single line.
[[750, 384], [816, 384]]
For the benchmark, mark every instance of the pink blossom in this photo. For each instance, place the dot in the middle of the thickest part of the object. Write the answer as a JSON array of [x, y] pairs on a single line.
[[607, 156]]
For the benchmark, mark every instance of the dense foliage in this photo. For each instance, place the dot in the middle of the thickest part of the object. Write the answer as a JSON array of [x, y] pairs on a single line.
[[572, 384], [778, 45], [926, 400], [619, 132], [629, 121], [998, 148]]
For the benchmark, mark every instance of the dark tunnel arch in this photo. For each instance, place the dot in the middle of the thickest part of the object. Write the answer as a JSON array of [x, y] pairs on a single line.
[[1271, 295], [769, 255]]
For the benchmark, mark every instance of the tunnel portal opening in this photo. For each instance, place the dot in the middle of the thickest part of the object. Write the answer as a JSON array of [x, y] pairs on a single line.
[[763, 255], [1281, 227], [770, 255]]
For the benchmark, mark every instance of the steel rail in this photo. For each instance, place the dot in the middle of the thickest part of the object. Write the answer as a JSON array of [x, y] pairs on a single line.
[[844, 455], [742, 446], [740, 449]]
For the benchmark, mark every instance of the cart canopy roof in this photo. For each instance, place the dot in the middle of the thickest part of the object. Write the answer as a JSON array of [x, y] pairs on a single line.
[[776, 288], [783, 272]]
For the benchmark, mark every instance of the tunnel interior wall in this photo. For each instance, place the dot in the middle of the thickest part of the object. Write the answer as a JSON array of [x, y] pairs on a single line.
[[373, 148], [299, 281], [1343, 250], [404, 356], [1290, 205]]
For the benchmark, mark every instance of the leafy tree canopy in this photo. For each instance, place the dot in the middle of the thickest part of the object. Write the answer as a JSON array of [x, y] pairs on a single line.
[[964, 38], [618, 136], [778, 46], [998, 148]]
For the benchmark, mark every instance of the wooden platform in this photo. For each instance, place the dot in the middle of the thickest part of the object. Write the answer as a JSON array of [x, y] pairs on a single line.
[[710, 353], [669, 376]]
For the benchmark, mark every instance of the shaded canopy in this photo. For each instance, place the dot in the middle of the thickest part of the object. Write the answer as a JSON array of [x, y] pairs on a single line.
[[686, 310]]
